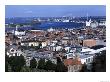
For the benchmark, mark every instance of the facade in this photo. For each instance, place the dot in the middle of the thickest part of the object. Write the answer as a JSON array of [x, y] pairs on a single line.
[[94, 24], [34, 43], [88, 23], [86, 59], [54, 48], [14, 52], [20, 33], [89, 42], [73, 65], [102, 23]]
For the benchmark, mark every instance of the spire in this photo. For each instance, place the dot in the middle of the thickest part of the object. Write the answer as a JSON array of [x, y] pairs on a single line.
[[87, 16]]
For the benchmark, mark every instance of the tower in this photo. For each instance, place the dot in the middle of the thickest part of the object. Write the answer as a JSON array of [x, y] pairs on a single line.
[[87, 16], [88, 22]]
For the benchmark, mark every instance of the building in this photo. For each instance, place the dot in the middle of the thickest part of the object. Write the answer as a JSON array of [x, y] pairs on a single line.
[[14, 52], [86, 51], [101, 42], [102, 23], [88, 23], [51, 30], [94, 24], [89, 42], [34, 43], [86, 59], [37, 32], [73, 65], [19, 33], [54, 48]]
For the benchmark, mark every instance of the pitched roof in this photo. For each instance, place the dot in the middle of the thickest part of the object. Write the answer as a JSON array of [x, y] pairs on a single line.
[[72, 62]]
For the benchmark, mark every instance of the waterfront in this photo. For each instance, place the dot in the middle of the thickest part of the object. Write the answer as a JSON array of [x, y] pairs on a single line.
[[55, 44]]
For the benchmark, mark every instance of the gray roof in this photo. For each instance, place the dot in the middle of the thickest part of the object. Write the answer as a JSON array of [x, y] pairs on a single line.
[[85, 56]]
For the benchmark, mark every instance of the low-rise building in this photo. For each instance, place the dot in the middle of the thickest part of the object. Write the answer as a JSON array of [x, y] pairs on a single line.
[[89, 42], [86, 59], [73, 65], [34, 43]]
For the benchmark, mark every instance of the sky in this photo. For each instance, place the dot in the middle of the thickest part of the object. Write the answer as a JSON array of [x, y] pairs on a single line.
[[54, 10]]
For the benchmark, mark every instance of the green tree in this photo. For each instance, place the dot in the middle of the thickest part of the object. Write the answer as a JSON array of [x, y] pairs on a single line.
[[22, 60], [6, 63], [60, 67], [41, 64], [99, 62], [25, 69], [16, 63], [33, 63], [6, 66], [50, 66]]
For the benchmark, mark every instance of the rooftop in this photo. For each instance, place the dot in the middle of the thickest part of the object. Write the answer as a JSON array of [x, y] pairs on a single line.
[[72, 62]]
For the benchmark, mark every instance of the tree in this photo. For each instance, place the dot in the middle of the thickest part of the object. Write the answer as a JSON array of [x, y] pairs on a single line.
[[84, 68], [41, 64], [33, 63], [99, 63], [16, 63], [25, 69], [22, 60], [50, 66], [6, 66], [6, 63], [60, 67], [58, 60]]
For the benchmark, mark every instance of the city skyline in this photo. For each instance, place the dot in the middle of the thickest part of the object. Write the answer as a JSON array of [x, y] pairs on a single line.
[[54, 10]]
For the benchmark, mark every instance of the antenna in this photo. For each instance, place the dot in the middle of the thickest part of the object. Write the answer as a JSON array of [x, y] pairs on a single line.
[[87, 16]]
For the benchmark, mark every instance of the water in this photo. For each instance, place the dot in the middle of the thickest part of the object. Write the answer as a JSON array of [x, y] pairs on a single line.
[[47, 25]]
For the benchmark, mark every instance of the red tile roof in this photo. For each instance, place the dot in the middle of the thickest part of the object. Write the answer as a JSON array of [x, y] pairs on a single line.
[[72, 62]]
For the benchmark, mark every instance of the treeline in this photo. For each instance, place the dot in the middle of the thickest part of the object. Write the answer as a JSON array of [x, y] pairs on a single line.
[[18, 64]]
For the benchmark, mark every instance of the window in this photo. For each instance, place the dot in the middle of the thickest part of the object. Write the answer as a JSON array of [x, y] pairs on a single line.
[[88, 60]]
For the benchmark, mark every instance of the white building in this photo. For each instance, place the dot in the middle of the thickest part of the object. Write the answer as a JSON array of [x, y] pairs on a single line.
[[94, 24], [19, 32], [88, 23], [86, 59], [14, 52], [86, 50], [102, 23], [70, 55], [50, 30], [65, 20]]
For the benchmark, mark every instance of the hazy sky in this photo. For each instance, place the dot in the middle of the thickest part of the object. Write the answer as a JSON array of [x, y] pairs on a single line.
[[54, 10]]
